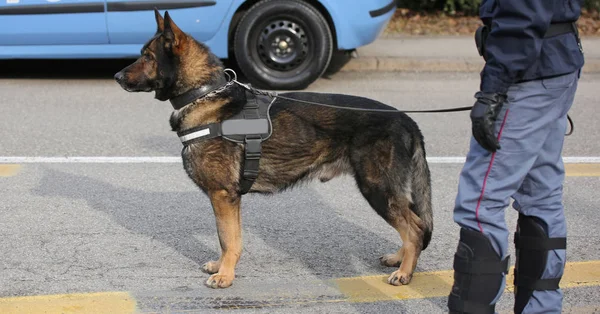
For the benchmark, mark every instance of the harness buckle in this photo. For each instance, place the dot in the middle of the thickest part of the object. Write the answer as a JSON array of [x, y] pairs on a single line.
[[253, 147]]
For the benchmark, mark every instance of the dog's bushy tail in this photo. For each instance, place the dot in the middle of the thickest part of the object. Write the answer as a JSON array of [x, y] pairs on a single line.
[[421, 191]]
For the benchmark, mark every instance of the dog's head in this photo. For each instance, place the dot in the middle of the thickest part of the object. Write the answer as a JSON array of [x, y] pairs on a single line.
[[171, 63]]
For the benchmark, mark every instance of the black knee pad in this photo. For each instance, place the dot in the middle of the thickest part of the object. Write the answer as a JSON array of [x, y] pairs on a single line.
[[532, 245], [478, 273]]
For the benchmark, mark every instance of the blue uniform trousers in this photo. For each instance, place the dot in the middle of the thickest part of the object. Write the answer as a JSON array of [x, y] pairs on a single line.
[[528, 168]]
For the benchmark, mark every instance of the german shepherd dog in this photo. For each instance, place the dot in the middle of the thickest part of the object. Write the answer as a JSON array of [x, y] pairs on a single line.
[[384, 151]]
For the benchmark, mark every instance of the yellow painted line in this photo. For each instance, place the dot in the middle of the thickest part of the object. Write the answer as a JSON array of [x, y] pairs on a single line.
[[582, 170], [355, 289], [439, 283], [578, 310], [9, 170], [89, 303], [568, 310]]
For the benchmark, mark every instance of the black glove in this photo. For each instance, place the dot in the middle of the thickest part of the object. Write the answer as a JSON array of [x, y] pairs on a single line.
[[484, 113]]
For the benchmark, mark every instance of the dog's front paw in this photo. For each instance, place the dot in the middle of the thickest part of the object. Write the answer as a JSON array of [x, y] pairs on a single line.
[[220, 281], [399, 278], [211, 267]]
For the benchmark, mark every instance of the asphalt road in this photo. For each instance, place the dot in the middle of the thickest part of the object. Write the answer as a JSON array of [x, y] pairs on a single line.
[[143, 229]]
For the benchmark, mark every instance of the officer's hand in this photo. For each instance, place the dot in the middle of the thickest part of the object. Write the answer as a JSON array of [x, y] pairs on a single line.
[[483, 115]]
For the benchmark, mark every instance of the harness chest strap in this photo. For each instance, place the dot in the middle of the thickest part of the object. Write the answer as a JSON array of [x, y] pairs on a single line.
[[249, 127]]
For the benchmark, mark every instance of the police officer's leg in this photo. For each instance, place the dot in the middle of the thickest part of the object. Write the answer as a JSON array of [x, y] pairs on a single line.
[[481, 259], [486, 183], [540, 240]]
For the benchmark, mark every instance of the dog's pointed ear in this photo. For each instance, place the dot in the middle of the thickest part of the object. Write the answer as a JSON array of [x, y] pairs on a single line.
[[172, 33], [160, 23]]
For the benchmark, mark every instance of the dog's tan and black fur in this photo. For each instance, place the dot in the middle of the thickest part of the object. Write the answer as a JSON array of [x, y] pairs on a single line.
[[383, 151]]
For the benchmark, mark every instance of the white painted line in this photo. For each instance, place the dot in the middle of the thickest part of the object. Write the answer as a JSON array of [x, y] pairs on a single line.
[[170, 160], [461, 160], [446, 160], [103, 160]]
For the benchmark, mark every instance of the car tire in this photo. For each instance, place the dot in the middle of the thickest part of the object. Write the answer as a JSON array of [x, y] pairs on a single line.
[[283, 44]]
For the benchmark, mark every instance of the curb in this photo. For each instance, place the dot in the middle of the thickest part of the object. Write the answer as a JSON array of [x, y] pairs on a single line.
[[395, 64]]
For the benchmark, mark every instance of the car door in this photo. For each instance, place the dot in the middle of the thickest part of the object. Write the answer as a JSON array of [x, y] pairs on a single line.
[[132, 21], [52, 22]]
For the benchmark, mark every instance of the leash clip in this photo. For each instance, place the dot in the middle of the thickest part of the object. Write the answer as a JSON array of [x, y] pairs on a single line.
[[229, 77], [246, 86]]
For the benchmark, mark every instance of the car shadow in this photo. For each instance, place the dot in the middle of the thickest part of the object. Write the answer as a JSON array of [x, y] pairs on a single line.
[[69, 68], [106, 68], [62, 68]]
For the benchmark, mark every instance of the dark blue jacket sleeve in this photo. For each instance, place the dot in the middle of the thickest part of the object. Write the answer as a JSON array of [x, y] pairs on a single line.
[[515, 41]]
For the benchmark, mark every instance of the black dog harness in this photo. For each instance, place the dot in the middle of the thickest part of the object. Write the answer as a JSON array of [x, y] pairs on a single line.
[[251, 126]]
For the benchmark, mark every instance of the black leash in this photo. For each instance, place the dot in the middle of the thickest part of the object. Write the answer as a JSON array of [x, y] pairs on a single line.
[[572, 125], [440, 110], [362, 109], [467, 108], [275, 95]]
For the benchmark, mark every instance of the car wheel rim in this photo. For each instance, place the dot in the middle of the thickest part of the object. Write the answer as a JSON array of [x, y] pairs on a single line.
[[283, 45]]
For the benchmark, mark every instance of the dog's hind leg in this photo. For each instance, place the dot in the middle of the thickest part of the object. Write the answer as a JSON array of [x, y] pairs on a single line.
[[410, 227], [396, 211], [226, 207], [387, 187]]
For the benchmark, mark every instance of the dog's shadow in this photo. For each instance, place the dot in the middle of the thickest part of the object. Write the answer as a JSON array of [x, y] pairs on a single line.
[[296, 227], [164, 216]]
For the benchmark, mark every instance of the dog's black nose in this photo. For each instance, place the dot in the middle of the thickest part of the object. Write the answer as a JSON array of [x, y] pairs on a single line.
[[119, 77]]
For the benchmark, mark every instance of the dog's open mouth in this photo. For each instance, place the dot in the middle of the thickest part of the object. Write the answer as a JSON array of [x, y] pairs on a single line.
[[136, 89]]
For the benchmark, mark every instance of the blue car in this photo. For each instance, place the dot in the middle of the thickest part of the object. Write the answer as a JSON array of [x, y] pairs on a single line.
[[278, 44]]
